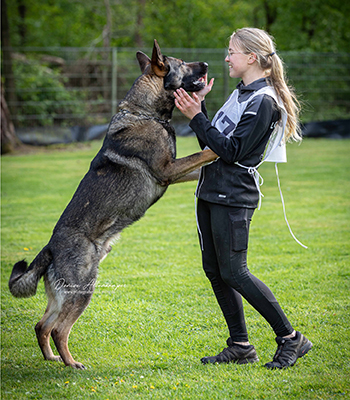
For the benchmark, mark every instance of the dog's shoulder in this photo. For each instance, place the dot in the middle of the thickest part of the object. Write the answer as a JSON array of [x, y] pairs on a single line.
[[135, 144]]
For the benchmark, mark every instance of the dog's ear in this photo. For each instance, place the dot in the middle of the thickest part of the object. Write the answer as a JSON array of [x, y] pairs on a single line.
[[157, 62], [143, 60]]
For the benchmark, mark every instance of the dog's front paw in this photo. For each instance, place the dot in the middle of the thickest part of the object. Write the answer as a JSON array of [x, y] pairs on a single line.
[[210, 156]]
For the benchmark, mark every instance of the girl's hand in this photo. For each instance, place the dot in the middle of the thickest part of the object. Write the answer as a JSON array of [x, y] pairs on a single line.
[[189, 106], [207, 88]]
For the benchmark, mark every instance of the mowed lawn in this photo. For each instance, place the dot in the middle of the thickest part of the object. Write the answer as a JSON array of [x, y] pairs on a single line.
[[153, 314]]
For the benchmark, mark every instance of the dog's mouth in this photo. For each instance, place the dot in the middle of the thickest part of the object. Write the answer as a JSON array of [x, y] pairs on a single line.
[[194, 86], [200, 83]]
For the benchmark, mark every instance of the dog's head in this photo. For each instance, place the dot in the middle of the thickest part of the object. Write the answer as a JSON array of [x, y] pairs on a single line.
[[175, 72]]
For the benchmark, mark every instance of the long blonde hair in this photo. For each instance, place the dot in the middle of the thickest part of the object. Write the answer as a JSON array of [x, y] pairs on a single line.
[[259, 42]]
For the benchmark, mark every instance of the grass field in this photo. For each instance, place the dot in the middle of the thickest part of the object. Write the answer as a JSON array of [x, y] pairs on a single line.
[[153, 314]]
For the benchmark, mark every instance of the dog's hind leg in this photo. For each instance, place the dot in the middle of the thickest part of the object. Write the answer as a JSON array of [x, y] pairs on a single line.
[[62, 328], [43, 331]]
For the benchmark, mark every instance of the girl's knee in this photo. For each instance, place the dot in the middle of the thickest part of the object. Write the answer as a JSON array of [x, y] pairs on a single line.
[[212, 274], [235, 277]]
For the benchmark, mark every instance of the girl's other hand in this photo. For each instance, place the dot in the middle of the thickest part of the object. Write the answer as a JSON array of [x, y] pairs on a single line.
[[207, 88]]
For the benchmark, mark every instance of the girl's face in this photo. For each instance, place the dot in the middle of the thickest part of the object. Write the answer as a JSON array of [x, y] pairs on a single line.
[[237, 61]]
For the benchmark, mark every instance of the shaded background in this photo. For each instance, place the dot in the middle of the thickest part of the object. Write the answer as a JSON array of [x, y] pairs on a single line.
[[67, 64]]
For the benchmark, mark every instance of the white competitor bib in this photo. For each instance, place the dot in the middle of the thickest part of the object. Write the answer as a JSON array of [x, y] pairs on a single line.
[[227, 118]]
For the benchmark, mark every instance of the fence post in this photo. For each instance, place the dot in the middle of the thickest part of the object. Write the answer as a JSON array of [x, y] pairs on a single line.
[[114, 80]]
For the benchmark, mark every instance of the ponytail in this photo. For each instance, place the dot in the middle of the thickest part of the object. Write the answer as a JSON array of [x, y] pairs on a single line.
[[259, 42]]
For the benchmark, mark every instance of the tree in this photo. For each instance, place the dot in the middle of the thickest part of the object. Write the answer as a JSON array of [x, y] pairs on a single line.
[[9, 83], [9, 140], [8, 137], [313, 25]]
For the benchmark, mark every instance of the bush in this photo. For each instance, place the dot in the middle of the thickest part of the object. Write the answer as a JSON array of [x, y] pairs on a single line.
[[41, 93]]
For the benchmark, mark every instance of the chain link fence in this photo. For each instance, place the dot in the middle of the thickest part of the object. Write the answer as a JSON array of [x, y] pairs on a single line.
[[81, 87]]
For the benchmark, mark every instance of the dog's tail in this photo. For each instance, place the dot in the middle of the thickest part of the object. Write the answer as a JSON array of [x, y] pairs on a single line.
[[24, 281]]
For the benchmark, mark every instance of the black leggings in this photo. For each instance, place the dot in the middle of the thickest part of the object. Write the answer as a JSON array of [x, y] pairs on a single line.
[[224, 232]]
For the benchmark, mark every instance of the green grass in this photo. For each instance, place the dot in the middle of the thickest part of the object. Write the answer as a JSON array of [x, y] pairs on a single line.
[[153, 314]]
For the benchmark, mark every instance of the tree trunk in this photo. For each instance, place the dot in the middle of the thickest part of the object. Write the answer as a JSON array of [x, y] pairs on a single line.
[[22, 28], [9, 82], [139, 23], [271, 15], [9, 140], [106, 43]]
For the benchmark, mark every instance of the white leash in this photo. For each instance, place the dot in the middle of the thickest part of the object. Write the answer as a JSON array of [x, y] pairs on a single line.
[[258, 179], [253, 171], [284, 210]]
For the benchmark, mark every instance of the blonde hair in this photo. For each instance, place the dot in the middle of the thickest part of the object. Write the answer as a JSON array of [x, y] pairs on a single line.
[[259, 42]]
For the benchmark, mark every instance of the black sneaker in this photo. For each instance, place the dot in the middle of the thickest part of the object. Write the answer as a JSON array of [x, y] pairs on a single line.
[[289, 350], [233, 353]]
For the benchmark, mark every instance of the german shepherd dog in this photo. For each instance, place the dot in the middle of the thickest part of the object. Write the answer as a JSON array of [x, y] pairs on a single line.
[[132, 170]]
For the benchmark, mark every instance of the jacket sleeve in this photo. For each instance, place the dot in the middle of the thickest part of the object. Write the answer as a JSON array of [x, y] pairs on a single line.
[[250, 130], [205, 113]]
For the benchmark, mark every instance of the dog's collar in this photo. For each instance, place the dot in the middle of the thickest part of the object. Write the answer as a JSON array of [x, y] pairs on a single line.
[[144, 116]]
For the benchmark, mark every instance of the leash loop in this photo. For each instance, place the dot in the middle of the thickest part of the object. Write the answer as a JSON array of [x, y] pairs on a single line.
[[258, 179]]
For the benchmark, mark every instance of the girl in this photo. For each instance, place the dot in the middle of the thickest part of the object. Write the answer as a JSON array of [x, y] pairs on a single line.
[[260, 115]]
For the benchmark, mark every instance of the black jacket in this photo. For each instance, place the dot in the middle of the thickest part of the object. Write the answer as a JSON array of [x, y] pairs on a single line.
[[223, 181]]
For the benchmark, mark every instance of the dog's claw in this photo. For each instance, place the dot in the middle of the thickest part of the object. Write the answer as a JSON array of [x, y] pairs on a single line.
[[77, 365]]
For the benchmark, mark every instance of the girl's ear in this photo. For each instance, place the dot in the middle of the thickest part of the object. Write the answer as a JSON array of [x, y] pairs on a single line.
[[252, 58]]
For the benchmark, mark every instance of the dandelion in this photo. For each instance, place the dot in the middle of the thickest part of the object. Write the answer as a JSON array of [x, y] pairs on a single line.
[[152, 387], [134, 386], [25, 249]]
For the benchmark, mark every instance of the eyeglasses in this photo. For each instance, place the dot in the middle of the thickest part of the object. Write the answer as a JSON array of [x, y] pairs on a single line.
[[230, 52]]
